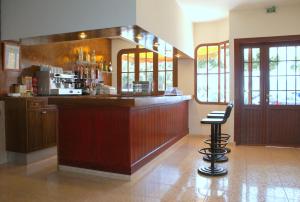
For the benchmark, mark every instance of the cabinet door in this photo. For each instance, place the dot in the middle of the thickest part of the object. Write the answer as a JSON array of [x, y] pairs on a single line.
[[35, 136], [49, 125]]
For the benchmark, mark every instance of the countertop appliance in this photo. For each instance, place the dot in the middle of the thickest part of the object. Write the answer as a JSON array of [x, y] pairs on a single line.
[[59, 83]]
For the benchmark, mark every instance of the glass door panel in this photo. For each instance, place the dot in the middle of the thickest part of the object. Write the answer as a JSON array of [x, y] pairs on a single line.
[[283, 75], [252, 76]]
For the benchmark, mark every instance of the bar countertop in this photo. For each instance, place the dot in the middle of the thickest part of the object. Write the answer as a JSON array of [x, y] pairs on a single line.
[[116, 101]]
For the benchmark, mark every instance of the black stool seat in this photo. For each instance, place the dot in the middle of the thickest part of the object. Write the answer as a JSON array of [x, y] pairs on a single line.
[[217, 112], [210, 115], [212, 121]]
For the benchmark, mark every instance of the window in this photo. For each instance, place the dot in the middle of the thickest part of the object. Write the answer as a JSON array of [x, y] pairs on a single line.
[[252, 76], [143, 65], [128, 72], [284, 75], [165, 72], [146, 66], [212, 73]]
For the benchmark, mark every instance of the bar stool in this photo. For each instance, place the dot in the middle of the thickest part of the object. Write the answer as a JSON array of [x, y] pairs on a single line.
[[215, 114], [216, 150], [221, 142]]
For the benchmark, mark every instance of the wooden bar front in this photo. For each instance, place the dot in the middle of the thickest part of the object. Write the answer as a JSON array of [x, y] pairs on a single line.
[[118, 134]]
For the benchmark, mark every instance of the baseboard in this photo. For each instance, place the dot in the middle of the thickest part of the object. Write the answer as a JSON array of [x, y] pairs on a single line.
[[28, 158], [3, 157], [98, 173]]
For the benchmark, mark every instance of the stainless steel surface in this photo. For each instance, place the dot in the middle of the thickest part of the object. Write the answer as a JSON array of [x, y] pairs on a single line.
[[57, 83]]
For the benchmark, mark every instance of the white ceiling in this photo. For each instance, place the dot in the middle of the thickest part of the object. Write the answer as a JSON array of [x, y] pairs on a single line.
[[210, 10]]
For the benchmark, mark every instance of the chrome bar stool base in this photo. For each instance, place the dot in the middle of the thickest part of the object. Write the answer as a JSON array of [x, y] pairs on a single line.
[[216, 171], [228, 150], [220, 159]]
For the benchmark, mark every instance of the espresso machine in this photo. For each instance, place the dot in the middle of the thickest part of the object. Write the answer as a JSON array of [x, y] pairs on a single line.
[[53, 81]]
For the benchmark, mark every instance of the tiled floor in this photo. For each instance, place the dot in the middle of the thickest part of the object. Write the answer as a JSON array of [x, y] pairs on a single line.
[[255, 174]]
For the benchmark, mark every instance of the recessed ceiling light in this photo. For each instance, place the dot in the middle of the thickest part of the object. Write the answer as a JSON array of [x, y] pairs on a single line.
[[139, 36], [82, 35], [156, 44]]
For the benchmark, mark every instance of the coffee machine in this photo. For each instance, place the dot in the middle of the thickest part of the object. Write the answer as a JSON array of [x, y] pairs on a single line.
[[53, 81]]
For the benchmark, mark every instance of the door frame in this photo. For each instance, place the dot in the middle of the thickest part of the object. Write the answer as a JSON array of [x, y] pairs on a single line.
[[238, 71]]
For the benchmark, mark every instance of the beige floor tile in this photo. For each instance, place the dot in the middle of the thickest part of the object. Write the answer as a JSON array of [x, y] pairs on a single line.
[[254, 174]]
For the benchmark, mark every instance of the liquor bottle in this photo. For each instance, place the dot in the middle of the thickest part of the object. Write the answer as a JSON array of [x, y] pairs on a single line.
[[80, 55], [88, 57], [101, 65], [104, 66], [109, 67], [93, 58]]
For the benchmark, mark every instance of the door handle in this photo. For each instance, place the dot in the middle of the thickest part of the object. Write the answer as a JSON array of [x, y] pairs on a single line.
[[44, 112]]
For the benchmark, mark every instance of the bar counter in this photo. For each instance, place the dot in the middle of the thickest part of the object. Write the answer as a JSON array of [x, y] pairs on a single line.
[[117, 134]]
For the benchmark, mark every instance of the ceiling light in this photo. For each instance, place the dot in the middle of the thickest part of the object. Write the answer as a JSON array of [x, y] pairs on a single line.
[[139, 36], [82, 35], [156, 44]]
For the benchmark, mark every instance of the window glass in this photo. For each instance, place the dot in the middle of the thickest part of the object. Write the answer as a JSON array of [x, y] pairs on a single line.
[[127, 74], [252, 81], [284, 68], [139, 64], [212, 68], [165, 72]]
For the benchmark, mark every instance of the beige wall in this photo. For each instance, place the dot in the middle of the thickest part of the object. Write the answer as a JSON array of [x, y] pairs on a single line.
[[167, 20], [211, 32], [257, 23], [2, 134]]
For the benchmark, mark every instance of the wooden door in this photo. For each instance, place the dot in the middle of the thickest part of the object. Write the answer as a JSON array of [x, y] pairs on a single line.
[[283, 95], [49, 125], [267, 91], [35, 136]]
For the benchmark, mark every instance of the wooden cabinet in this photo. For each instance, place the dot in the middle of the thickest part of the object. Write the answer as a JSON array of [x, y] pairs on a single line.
[[31, 124]]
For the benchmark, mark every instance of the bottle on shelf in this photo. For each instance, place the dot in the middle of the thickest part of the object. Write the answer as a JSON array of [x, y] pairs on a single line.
[[88, 57], [104, 66], [109, 67], [80, 55], [93, 57], [101, 65]]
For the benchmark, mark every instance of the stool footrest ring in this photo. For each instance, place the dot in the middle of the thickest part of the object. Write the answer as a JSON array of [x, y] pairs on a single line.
[[209, 171]]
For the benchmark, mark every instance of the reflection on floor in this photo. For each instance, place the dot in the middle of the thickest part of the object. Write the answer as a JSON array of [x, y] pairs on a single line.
[[255, 174]]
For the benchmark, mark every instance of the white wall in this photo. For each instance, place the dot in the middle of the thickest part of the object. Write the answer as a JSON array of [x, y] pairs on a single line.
[[116, 46], [166, 20], [3, 158], [28, 18], [257, 23], [210, 32]]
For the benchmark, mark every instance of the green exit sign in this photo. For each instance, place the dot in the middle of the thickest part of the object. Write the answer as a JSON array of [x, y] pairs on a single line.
[[271, 9]]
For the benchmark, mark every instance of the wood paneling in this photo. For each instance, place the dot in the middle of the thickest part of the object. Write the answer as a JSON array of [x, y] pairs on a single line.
[[283, 126], [252, 126], [118, 139], [30, 124], [64, 54], [153, 128]]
